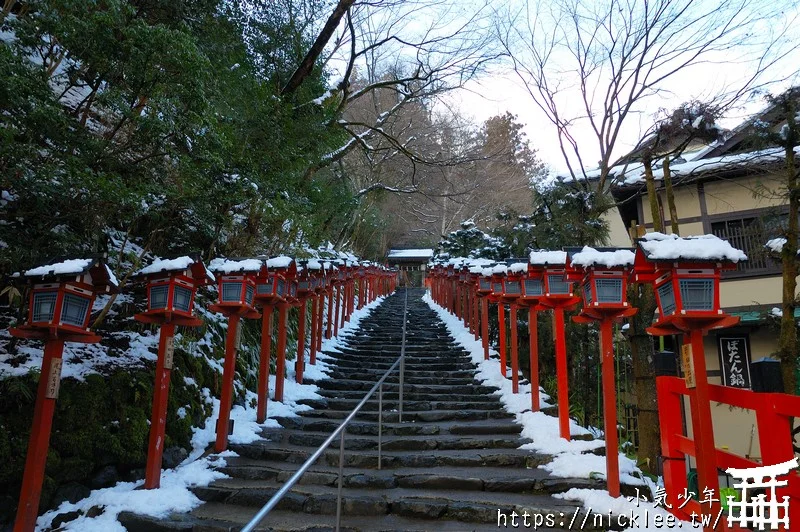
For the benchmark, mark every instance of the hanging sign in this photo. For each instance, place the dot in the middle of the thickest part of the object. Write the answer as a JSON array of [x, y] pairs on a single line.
[[169, 352], [687, 365], [53, 379], [734, 360]]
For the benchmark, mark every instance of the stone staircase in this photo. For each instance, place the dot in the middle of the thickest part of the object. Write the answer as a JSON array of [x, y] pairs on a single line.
[[454, 462]]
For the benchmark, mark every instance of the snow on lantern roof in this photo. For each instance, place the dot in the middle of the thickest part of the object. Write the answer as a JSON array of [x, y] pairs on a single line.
[[279, 262], [221, 265], [610, 258], [166, 265], [544, 257], [65, 267], [660, 247], [477, 265], [314, 264], [100, 275], [410, 254], [500, 268], [518, 267], [487, 272]]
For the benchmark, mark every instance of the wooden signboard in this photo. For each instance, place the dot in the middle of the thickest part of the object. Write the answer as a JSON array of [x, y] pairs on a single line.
[[169, 352], [687, 365], [53, 379], [734, 360]]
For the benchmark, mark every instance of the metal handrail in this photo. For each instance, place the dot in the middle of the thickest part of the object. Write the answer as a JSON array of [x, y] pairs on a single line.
[[340, 431]]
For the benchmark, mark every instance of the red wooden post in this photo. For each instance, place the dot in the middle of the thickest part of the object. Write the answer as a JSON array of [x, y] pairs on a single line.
[[300, 361], [330, 293], [280, 367], [338, 305], [485, 326], [158, 418], [533, 333], [501, 325], [36, 458], [362, 296], [609, 406], [702, 424], [514, 349], [228, 373], [559, 332], [314, 317], [263, 363], [320, 320], [669, 416]]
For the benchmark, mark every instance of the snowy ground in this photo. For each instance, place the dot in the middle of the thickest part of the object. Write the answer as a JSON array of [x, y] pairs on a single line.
[[571, 459], [175, 493]]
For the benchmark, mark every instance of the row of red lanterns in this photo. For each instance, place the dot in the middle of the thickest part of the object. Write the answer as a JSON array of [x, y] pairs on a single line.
[[63, 293], [685, 274]]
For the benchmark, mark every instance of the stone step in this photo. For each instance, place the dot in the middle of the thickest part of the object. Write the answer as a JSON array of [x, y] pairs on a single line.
[[464, 506], [300, 438], [416, 365], [515, 458], [408, 405], [217, 517], [413, 417], [394, 378], [344, 384], [461, 374], [392, 394], [446, 478], [402, 429]]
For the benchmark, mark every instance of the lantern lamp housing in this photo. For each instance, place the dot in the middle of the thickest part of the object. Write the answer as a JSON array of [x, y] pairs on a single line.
[[686, 272], [62, 296], [555, 283], [171, 285]]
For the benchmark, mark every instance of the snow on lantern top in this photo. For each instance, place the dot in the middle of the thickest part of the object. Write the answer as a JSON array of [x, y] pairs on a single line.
[[237, 284], [544, 257], [702, 248]]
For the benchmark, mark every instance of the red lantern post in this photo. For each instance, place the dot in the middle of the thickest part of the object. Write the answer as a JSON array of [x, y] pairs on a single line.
[[237, 286], [485, 296], [171, 288], [603, 275], [59, 309], [270, 292], [532, 290], [288, 268], [498, 274], [305, 291], [557, 296], [512, 290], [686, 275]]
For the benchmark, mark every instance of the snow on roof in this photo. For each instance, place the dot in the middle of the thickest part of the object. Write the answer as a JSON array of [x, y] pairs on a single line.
[[544, 257], [220, 265], [658, 246], [410, 253], [166, 265], [519, 267], [61, 268], [500, 268], [279, 262], [487, 272], [589, 256], [314, 264], [635, 172]]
